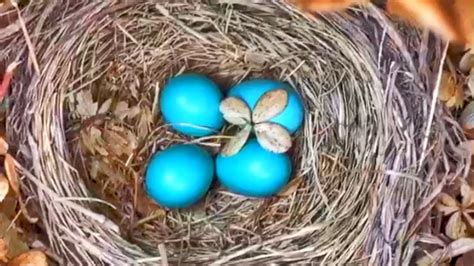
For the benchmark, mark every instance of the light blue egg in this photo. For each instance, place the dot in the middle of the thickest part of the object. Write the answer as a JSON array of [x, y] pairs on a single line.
[[190, 104], [251, 90], [254, 171], [179, 176]]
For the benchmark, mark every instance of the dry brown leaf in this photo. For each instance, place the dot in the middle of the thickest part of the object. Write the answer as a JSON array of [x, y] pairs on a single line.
[[459, 247], [30, 258], [270, 105], [457, 101], [10, 235], [11, 173], [105, 107], [236, 143], [467, 194], [431, 259], [235, 111], [447, 200], [456, 228], [273, 137], [3, 250], [327, 5], [4, 187], [86, 106], [437, 15], [3, 146], [447, 88], [122, 111]]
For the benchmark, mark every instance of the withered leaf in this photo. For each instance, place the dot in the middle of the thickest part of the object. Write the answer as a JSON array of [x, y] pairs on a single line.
[[457, 100], [3, 250], [122, 111], [30, 258], [11, 173], [273, 137], [431, 259], [3, 146], [235, 111], [327, 5], [271, 104], [460, 246], [447, 87], [86, 106], [105, 107], [4, 187], [11, 236], [236, 143], [447, 200], [456, 228], [467, 195]]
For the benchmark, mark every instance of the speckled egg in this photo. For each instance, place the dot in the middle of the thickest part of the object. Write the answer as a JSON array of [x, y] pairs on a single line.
[[179, 176], [190, 104], [251, 90], [254, 171]]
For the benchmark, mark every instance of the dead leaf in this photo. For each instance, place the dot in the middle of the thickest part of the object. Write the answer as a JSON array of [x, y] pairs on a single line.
[[447, 200], [291, 188], [122, 111], [270, 105], [86, 107], [447, 88], [431, 259], [236, 143], [118, 144], [3, 146], [30, 258], [467, 194], [459, 247], [437, 15], [273, 137], [235, 111], [11, 236], [456, 228], [105, 107], [4, 187], [457, 101], [3, 250], [11, 173], [327, 5]]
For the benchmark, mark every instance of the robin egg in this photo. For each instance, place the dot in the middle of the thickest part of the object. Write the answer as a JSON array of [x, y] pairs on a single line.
[[190, 104], [254, 171], [179, 176]]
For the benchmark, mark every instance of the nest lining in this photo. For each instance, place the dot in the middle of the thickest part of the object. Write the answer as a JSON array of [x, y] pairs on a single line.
[[360, 174]]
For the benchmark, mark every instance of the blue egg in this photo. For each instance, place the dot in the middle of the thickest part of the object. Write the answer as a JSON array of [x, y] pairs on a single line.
[[254, 171], [190, 104], [179, 176], [251, 90]]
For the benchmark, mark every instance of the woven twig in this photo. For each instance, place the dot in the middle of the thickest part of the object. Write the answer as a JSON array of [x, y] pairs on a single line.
[[375, 149]]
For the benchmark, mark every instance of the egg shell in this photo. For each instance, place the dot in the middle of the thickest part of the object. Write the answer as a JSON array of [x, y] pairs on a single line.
[[254, 171], [251, 90], [179, 176], [190, 104]]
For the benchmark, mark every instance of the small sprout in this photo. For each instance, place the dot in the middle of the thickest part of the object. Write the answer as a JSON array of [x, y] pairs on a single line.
[[235, 111], [271, 136]]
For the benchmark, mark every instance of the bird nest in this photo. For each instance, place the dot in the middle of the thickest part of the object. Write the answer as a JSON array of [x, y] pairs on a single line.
[[374, 152]]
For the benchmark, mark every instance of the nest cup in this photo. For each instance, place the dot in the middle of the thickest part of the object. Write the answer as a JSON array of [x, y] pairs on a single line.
[[373, 152]]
